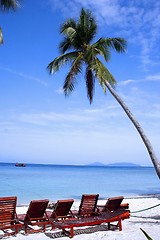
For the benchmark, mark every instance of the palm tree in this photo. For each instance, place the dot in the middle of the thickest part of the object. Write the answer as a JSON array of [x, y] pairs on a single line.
[[6, 5], [78, 49]]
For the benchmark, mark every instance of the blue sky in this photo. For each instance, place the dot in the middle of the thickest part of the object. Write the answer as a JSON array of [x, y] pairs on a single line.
[[39, 125]]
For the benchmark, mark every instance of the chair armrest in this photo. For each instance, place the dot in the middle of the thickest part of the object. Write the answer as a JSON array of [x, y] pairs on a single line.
[[124, 205]]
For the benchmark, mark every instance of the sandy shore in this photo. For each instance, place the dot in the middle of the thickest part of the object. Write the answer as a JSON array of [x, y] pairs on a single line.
[[148, 220]]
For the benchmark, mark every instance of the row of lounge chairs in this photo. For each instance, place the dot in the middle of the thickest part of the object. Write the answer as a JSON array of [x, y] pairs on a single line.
[[61, 216]]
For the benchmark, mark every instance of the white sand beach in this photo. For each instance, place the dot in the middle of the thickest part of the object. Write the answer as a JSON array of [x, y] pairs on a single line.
[[148, 220]]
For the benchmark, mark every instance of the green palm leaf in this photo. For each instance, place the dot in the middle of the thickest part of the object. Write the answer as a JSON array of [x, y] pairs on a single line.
[[90, 83], [147, 236], [65, 45], [102, 48], [118, 44], [103, 74], [86, 26], [67, 24], [70, 80], [6, 5], [60, 61]]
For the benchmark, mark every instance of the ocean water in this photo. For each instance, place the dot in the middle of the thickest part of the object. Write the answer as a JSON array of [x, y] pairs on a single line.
[[55, 182]]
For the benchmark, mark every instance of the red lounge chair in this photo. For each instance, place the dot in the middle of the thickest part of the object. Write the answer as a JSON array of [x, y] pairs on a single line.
[[87, 206], [62, 210], [36, 216], [107, 217], [112, 204], [8, 216]]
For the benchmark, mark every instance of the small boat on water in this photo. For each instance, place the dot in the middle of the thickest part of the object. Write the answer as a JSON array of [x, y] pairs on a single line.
[[20, 165]]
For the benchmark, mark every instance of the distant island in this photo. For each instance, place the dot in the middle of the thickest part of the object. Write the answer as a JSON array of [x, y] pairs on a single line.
[[123, 164], [95, 164], [120, 164]]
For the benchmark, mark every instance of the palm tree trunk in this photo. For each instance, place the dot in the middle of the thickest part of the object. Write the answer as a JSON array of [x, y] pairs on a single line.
[[146, 141]]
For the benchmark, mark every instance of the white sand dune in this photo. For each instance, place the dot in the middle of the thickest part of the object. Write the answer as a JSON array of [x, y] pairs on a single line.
[[148, 220]]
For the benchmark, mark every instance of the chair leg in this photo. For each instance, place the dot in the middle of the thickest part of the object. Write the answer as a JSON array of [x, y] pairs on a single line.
[[16, 230], [44, 227], [72, 232], [109, 225], [25, 229], [120, 224]]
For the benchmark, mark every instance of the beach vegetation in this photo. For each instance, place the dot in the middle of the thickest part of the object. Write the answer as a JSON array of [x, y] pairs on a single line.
[[78, 49], [146, 234], [6, 5]]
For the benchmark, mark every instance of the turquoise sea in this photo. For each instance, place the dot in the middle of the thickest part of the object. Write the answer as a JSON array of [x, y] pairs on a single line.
[[37, 181]]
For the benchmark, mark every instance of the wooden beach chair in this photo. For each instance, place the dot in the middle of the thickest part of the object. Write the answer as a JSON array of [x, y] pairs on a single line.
[[36, 216], [87, 206], [8, 216], [61, 211], [112, 204], [117, 216]]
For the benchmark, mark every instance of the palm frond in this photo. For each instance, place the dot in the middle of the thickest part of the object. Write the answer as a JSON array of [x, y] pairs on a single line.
[[103, 74], [60, 61], [69, 23], [69, 83], [72, 38], [147, 236], [118, 44], [70, 33], [86, 26], [6, 5], [78, 33], [68, 29], [70, 80], [92, 29], [65, 45], [88, 54], [102, 48], [90, 83]]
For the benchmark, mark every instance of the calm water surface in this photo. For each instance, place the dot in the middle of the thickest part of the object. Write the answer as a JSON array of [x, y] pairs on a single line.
[[59, 182]]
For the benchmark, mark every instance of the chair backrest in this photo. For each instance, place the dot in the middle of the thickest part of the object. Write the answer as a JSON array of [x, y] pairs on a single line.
[[36, 209], [112, 204], [88, 203], [62, 208], [7, 209]]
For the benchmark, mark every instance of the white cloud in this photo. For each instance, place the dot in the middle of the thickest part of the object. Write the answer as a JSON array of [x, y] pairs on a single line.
[[24, 76], [126, 82], [46, 146], [155, 77], [77, 119], [149, 78], [98, 131], [60, 90]]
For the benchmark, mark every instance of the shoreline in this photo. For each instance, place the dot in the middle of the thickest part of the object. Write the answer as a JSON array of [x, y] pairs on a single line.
[[156, 195], [104, 199], [148, 220]]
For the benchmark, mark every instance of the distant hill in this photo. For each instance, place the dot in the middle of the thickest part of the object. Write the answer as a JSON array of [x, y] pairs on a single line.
[[120, 164], [123, 164]]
